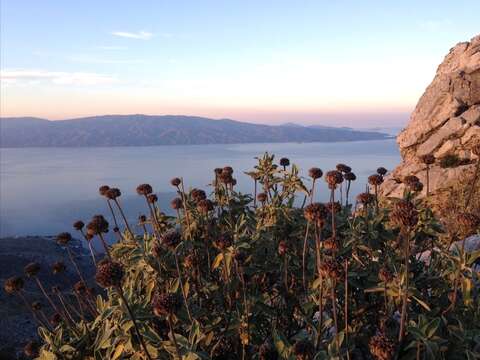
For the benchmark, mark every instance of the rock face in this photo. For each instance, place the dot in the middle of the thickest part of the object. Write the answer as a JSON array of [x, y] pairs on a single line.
[[445, 122]]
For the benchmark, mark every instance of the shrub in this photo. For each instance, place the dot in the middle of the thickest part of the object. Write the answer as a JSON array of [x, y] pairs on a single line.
[[272, 279]]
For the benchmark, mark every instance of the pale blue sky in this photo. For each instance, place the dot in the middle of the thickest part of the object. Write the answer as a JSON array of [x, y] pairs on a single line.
[[336, 62]]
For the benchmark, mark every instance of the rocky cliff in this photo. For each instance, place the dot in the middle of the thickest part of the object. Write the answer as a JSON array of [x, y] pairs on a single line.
[[445, 124]]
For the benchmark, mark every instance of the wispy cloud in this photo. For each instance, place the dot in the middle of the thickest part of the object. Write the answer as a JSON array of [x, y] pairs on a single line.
[[141, 35], [18, 76]]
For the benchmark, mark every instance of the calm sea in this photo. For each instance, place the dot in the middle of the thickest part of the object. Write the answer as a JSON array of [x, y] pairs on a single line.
[[44, 190]]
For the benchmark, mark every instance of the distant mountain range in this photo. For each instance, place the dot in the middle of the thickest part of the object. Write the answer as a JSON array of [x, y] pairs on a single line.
[[146, 130]]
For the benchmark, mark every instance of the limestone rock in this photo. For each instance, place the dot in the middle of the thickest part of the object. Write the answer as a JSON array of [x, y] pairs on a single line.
[[446, 121]]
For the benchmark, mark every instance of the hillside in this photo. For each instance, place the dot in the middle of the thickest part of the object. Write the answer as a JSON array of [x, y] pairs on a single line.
[[143, 130]]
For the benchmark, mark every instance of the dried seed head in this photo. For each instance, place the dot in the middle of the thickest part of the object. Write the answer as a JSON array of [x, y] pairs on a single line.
[[218, 171], [80, 288], [176, 182], [223, 241], [334, 207], [303, 350], [152, 198], [32, 269], [262, 197], [404, 214], [330, 244], [227, 170], [198, 195], [165, 304], [142, 219], [284, 162], [37, 306], [97, 226], [191, 261], [428, 159], [113, 193], [171, 238], [282, 248], [78, 225], [365, 198], [385, 275], [64, 238], [381, 347], [412, 182], [88, 237], [58, 267], [316, 213], [225, 177], [109, 273], [315, 173], [55, 320], [350, 176], [331, 269], [103, 190], [204, 206], [375, 179], [176, 204], [144, 189], [343, 168], [13, 284], [333, 178], [382, 171], [32, 349]]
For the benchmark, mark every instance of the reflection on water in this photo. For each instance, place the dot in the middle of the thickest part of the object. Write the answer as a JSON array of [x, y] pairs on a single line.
[[44, 190]]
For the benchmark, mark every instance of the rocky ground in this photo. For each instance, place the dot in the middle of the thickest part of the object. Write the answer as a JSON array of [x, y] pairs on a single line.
[[17, 325]]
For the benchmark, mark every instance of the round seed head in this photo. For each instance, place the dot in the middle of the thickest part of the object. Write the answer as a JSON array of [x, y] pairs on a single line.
[[171, 238], [144, 189], [32, 349], [109, 273], [331, 269], [164, 304], [32, 269], [411, 181], [204, 206], [103, 190], [316, 213], [334, 207], [97, 226], [343, 168], [176, 203], [333, 178], [58, 267], [428, 159], [198, 195], [382, 171], [330, 244], [227, 170], [78, 225], [37, 305], [152, 198], [176, 182], [315, 173], [80, 288], [365, 198], [284, 162], [113, 193], [64, 238], [218, 171], [13, 284], [350, 176], [226, 177], [55, 320], [375, 179], [404, 214], [303, 350], [142, 219], [262, 197], [381, 347]]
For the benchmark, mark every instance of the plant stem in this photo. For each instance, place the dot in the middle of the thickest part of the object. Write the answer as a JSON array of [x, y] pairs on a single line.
[[179, 273], [405, 294], [304, 258], [113, 213], [77, 269], [346, 308], [170, 324], [334, 311], [105, 246], [124, 218], [132, 317]]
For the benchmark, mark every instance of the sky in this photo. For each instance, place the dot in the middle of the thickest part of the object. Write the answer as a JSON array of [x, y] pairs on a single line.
[[345, 63]]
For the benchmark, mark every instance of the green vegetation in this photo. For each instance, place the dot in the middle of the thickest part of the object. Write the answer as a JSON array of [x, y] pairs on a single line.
[[273, 275]]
